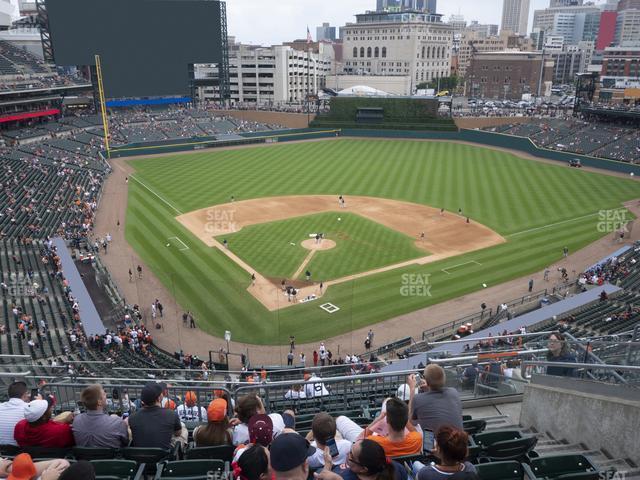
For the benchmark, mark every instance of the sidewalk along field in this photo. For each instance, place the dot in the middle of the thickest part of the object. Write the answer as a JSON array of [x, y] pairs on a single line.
[[361, 245], [538, 207]]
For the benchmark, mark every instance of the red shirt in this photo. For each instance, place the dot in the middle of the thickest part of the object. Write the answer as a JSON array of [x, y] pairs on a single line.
[[50, 434]]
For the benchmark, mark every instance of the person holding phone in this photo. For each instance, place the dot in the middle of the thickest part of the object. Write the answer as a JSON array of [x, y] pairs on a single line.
[[322, 434]]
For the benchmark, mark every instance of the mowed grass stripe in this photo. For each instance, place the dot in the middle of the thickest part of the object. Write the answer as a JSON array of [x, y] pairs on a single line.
[[504, 192]]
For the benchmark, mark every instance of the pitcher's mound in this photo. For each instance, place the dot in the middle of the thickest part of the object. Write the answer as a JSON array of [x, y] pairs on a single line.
[[325, 244]]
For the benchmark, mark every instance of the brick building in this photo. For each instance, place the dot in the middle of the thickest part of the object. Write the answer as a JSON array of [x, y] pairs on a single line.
[[510, 74]]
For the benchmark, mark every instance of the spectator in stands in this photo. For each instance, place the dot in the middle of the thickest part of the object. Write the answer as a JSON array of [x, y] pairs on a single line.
[[313, 386], [247, 407], [12, 411], [39, 430], [153, 426], [451, 449], [189, 411], [559, 352], [323, 430], [253, 464], [400, 437], [22, 467], [470, 375], [216, 431], [367, 460], [288, 457], [403, 392], [95, 428], [439, 405]]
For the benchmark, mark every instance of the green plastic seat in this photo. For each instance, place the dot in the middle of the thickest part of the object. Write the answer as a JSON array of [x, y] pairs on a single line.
[[473, 427], [94, 453], [516, 449], [121, 469], [189, 469], [508, 470], [487, 438], [149, 456], [222, 452], [564, 467]]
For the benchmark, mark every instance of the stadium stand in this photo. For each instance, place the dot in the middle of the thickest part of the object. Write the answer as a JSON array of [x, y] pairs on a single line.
[[598, 139], [51, 181]]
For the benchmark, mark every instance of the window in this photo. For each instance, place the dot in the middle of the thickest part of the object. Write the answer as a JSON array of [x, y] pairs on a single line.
[[369, 52], [384, 52], [355, 52], [423, 49], [376, 52], [362, 52]]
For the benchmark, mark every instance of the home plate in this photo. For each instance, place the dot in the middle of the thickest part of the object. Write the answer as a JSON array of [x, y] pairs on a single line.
[[329, 307]]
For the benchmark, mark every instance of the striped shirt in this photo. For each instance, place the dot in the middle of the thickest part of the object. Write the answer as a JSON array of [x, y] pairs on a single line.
[[11, 413]]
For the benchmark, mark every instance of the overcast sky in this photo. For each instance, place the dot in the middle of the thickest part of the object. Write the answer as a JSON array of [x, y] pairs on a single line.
[[269, 22]]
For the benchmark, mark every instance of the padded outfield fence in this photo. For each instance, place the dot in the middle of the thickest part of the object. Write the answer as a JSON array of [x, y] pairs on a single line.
[[479, 137], [200, 143]]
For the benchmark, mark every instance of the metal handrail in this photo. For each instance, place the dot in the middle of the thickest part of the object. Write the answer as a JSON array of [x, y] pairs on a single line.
[[496, 337], [592, 366]]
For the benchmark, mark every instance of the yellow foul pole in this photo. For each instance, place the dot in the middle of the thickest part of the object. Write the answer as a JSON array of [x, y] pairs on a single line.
[[103, 106]]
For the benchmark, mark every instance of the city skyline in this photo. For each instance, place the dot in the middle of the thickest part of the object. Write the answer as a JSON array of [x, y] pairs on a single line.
[[291, 17]]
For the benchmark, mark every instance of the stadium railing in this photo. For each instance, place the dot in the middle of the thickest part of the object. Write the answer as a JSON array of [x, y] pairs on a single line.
[[597, 372]]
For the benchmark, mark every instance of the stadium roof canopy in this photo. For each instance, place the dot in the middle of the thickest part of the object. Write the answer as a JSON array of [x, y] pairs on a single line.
[[362, 91]]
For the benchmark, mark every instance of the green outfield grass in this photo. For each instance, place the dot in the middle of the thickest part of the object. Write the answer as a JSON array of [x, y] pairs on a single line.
[[361, 245], [538, 207]]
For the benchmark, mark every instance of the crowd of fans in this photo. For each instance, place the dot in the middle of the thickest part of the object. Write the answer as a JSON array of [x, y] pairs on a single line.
[[428, 419], [606, 140]]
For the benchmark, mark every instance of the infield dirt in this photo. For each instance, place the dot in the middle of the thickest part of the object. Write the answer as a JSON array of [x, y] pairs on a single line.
[[447, 234]]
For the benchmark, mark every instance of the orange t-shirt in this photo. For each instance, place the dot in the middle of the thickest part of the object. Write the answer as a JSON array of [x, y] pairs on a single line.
[[411, 444]]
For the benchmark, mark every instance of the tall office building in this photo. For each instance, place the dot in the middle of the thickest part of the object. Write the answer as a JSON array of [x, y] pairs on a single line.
[[575, 23], [326, 32], [417, 45], [628, 23], [515, 16]]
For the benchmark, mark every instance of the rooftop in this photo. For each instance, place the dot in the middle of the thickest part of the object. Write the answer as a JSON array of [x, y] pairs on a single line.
[[399, 17]]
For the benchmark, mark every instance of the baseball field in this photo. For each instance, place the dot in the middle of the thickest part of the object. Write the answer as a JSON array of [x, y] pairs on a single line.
[[205, 222]]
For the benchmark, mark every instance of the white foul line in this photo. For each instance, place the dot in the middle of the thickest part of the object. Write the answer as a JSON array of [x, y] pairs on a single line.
[[184, 244], [174, 208], [558, 223], [459, 265]]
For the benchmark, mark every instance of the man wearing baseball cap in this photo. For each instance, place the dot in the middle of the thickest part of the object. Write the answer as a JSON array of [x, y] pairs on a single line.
[[153, 426], [38, 430], [288, 456]]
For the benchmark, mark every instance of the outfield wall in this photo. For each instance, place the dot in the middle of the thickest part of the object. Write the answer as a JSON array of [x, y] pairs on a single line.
[[480, 137], [511, 142], [201, 143]]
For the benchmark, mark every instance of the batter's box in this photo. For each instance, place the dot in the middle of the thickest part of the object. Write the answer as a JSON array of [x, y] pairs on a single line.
[[329, 307]]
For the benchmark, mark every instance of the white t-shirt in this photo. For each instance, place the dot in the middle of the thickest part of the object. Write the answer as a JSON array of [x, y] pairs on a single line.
[[315, 388], [11, 412], [191, 413], [241, 431], [317, 459], [293, 394]]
